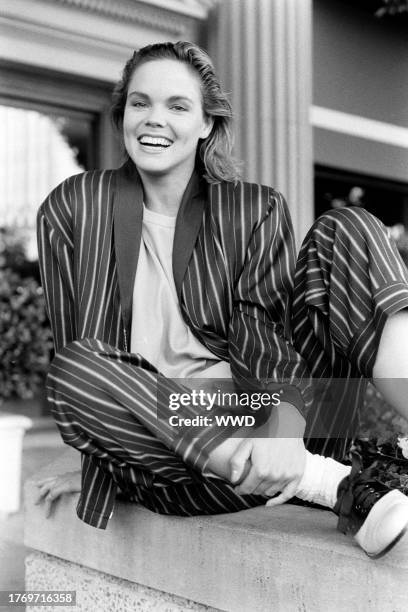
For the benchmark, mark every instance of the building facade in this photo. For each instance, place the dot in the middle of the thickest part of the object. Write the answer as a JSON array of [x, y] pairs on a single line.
[[318, 89]]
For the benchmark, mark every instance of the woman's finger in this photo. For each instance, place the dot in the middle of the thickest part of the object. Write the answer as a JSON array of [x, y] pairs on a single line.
[[276, 487], [250, 483], [287, 494], [53, 495], [49, 501], [41, 481], [270, 490], [43, 491], [239, 460], [261, 483]]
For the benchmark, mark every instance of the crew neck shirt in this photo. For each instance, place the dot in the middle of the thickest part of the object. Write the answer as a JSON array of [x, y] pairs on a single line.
[[159, 332]]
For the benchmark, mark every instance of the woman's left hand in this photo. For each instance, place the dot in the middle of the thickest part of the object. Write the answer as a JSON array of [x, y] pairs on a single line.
[[52, 487]]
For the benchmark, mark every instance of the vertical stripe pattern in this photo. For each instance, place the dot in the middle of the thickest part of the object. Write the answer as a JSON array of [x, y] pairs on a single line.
[[236, 297]]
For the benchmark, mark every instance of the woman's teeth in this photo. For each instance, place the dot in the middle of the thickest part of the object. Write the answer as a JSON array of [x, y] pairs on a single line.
[[155, 142]]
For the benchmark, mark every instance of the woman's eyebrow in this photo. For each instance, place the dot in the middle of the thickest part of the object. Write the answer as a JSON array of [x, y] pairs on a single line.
[[180, 97], [174, 98], [138, 93]]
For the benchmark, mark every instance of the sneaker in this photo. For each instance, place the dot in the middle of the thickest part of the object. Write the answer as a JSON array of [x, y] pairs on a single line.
[[374, 513]]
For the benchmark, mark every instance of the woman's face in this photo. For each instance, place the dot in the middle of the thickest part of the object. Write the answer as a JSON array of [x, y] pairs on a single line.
[[164, 119]]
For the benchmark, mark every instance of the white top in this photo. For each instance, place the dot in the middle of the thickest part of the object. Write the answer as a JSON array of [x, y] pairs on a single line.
[[159, 332]]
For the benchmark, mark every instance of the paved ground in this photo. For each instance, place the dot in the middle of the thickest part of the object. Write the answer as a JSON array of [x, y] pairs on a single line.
[[40, 448]]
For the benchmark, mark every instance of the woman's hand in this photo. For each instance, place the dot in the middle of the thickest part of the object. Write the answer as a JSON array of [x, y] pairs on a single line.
[[276, 456], [277, 466], [51, 488]]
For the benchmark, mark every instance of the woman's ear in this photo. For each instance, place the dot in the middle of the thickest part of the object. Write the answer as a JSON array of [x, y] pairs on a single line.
[[207, 127]]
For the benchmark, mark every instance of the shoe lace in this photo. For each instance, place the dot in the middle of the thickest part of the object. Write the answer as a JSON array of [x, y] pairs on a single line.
[[357, 494]]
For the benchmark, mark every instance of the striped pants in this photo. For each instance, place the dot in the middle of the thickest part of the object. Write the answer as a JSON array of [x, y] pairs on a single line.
[[349, 278]]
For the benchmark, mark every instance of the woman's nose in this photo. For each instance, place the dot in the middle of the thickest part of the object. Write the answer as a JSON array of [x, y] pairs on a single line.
[[155, 117]]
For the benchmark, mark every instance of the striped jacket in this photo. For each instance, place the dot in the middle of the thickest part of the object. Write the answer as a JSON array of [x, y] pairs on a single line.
[[233, 265]]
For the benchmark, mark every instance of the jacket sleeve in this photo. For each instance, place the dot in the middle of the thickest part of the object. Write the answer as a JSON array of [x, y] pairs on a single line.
[[262, 356], [56, 259], [55, 253]]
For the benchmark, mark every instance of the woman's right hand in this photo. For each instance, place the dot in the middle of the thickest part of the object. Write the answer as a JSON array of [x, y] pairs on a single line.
[[52, 487]]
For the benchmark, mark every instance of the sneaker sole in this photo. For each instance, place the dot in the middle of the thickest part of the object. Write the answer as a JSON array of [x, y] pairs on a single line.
[[394, 507], [391, 545]]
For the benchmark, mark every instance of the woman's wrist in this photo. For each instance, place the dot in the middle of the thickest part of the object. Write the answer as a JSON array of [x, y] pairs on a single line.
[[219, 457]]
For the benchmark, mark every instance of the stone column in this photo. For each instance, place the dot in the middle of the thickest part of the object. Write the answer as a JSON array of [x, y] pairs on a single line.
[[262, 51]]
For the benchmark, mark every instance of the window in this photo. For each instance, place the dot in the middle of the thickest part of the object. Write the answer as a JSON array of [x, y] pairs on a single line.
[[386, 199], [53, 125]]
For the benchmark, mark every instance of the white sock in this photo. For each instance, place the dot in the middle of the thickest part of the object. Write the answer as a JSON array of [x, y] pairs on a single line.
[[321, 479]]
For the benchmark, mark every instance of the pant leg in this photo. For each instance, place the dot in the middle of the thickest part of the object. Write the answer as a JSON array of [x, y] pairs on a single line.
[[349, 278], [105, 403]]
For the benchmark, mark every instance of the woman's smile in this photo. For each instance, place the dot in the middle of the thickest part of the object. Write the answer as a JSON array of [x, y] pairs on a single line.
[[153, 143]]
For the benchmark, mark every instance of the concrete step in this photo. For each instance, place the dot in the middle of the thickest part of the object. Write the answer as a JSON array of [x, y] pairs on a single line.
[[281, 559]]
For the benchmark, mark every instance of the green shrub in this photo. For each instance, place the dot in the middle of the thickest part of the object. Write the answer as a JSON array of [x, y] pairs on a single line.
[[25, 335]]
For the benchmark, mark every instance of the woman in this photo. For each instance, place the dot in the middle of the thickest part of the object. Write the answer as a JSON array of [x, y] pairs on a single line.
[[170, 268]]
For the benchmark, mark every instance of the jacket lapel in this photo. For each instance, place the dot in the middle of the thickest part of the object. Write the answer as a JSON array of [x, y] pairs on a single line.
[[128, 217], [188, 224]]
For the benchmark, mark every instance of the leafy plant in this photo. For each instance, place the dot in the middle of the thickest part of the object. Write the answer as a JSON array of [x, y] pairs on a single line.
[[25, 336], [12, 252], [387, 461]]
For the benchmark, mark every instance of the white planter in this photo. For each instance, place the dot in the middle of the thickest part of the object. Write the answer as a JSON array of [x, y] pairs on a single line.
[[12, 429]]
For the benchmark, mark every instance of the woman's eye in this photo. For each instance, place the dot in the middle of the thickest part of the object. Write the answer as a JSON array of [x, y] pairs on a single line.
[[178, 107], [138, 104]]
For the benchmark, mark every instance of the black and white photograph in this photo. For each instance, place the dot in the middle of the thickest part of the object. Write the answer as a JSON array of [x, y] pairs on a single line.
[[204, 305]]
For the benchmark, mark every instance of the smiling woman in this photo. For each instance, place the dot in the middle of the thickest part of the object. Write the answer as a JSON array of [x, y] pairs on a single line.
[[170, 268]]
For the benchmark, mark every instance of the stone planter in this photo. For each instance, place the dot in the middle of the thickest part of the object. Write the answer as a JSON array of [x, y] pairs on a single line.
[[12, 429]]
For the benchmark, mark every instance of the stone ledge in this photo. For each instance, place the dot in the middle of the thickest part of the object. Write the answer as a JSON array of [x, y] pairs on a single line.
[[99, 592], [286, 558]]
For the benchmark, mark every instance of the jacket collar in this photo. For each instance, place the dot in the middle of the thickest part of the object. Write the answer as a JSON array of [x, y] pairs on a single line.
[[188, 224], [128, 217]]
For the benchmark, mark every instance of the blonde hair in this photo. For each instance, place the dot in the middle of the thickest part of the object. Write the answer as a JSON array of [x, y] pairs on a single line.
[[214, 153]]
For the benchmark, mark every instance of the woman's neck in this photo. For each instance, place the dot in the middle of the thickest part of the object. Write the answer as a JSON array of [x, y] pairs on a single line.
[[163, 194]]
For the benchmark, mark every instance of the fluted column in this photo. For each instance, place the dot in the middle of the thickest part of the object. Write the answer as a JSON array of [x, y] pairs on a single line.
[[262, 51]]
